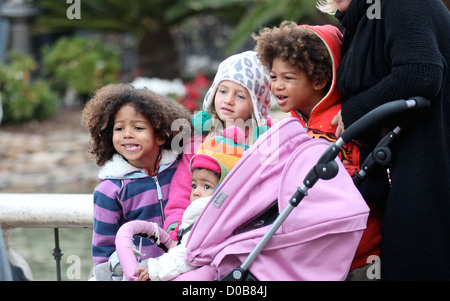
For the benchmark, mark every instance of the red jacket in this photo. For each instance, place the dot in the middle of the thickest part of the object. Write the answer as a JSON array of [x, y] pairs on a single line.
[[319, 126]]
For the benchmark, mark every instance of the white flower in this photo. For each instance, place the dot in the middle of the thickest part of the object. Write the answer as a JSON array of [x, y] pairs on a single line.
[[170, 88]]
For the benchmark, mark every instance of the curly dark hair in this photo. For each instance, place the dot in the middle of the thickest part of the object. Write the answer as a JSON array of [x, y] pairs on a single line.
[[299, 46], [99, 113]]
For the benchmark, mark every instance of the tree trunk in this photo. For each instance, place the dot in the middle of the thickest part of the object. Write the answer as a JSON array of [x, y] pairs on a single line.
[[158, 55]]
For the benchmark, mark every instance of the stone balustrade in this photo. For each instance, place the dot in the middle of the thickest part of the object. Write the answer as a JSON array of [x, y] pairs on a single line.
[[42, 211]]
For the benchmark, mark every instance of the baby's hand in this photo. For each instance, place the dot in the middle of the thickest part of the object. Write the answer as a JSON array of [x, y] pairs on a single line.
[[142, 274]]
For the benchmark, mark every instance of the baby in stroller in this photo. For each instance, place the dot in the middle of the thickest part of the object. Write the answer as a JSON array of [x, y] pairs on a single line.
[[212, 162]]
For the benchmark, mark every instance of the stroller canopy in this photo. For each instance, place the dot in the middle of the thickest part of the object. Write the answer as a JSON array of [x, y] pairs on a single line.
[[318, 239]]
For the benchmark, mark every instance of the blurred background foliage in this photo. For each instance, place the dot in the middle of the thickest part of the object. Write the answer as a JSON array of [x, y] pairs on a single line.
[[22, 98], [151, 21], [80, 63]]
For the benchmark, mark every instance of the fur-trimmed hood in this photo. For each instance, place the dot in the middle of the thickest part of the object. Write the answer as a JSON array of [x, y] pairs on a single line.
[[119, 168]]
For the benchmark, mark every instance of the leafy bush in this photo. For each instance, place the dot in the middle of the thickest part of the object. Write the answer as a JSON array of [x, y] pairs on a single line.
[[22, 98], [81, 63]]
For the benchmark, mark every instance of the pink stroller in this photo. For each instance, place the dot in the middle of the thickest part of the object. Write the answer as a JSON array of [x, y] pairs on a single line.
[[249, 231], [317, 242]]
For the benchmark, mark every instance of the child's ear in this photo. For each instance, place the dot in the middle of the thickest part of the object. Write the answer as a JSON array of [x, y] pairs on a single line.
[[319, 84], [160, 141]]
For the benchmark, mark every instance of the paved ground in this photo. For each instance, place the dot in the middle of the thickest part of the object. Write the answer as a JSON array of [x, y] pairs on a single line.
[[50, 156]]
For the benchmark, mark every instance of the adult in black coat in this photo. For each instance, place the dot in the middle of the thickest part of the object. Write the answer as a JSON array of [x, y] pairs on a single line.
[[397, 49]]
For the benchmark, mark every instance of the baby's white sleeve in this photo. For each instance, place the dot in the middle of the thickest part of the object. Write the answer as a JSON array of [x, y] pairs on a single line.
[[169, 265]]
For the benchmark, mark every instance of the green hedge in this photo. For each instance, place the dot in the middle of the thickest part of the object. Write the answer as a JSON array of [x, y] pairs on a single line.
[[81, 63], [22, 98]]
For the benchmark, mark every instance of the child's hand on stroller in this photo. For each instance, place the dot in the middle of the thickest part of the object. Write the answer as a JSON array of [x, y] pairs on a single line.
[[142, 274], [337, 121]]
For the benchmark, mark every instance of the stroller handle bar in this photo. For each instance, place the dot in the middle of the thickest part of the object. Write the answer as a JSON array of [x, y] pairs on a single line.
[[326, 168], [380, 113]]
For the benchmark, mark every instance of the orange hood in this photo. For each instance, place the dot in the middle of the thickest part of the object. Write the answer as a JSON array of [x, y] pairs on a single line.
[[327, 108]]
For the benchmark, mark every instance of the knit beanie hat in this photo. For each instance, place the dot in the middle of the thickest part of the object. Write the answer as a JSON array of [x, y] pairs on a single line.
[[220, 153], [244, 69]]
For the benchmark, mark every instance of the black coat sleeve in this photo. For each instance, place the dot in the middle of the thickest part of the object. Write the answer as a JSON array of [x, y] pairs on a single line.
[[411, 45]]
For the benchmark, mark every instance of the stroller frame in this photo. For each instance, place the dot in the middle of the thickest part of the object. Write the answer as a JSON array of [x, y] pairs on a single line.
[[326, 168]]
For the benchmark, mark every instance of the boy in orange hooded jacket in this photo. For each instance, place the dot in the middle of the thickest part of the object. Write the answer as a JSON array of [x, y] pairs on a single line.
[[302, 61]]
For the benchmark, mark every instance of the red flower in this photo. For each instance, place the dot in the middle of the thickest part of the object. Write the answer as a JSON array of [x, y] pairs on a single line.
[[195, 91]]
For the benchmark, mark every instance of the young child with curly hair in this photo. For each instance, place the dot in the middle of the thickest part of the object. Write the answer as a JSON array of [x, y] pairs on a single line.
[[213, 161], [131, 140], [301, 66], [303, 61]]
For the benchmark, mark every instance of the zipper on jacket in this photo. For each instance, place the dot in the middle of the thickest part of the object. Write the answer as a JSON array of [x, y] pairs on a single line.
[[158, 189], [300, 115]]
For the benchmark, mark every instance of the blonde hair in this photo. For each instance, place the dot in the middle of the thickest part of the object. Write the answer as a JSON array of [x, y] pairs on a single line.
[[327, 6], [214, 130]]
